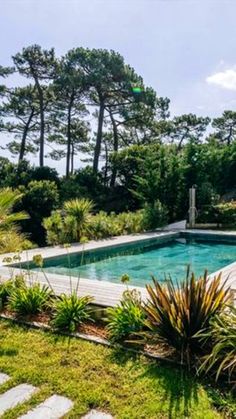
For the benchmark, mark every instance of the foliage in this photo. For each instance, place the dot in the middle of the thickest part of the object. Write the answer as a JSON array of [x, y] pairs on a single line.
[[5, 291], [54, 228], [136, 153], [8, 286], [77, 214], [62, 228], [70, 311], [226, 213], [84, 183], [10, 237], [31, 299], [154, 215], [40, 198], [175, 313], [125, 319], [222, 337]]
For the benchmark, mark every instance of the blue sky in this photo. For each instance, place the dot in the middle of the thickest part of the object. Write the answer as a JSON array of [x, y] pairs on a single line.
[[185, 49]]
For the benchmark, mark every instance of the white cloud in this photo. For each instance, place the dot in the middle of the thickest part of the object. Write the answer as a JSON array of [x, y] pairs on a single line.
[[225, 79]]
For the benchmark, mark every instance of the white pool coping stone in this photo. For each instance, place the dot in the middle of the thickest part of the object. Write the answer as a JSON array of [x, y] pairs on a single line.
[[107, 293]]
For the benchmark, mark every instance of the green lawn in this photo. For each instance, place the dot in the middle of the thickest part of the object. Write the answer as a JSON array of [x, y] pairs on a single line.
[[98, 377]]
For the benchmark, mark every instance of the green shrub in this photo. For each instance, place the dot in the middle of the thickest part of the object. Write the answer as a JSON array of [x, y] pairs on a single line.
[[101, 226], [222, 336], [155, 215], [54, 228], [130, 222], [73, 223], [126, 318], [226, 213], [77, 215], [7, 287], [5, 292], [70, 311], [175, 313], [29, 300], [40, 199]]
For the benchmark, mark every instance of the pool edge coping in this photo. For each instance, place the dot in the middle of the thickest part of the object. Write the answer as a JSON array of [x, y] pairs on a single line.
[[108, 293]]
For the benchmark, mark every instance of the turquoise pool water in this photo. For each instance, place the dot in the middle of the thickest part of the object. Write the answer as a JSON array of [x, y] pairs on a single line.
[[142, 261]]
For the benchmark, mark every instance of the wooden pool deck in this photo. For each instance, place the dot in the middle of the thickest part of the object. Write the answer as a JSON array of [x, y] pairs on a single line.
[[104, 293]]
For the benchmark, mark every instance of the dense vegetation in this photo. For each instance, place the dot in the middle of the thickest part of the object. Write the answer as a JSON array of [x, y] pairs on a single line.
[[91, 105]]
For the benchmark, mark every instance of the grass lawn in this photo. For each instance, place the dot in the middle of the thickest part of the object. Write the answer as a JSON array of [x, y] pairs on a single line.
[[98, 377]]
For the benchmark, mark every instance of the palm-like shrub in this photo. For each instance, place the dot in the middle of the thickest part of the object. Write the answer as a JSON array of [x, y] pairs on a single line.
[[126, 319], [29, 300], [10, 237], [175, 313], [77, 217], [70, 311], [130, 222], [7, 287], [222, 335]]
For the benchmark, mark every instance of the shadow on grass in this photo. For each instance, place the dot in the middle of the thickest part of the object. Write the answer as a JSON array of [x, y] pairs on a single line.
[[120, 356], [8, 352], [178, 388]]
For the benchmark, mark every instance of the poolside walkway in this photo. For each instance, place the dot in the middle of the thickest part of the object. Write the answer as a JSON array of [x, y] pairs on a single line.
[[106, 293]]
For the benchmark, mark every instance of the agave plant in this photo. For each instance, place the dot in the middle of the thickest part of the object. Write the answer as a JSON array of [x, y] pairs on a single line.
[[175, 313], [10, 237], [222, 334], [77, 217]]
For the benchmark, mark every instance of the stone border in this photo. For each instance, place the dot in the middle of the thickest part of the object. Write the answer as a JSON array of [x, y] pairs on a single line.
[[88, 338]]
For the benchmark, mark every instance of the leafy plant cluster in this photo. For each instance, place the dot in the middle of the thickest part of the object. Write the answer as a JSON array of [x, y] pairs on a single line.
[[193, 318], [76, 222]]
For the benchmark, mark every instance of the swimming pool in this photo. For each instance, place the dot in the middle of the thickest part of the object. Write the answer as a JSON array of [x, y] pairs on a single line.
[[143, 260]]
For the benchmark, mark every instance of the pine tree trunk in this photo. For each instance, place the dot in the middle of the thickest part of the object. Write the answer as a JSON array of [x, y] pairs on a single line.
[[42, 121], [68, 153], [24, 136], [115, 148], [99, 137]]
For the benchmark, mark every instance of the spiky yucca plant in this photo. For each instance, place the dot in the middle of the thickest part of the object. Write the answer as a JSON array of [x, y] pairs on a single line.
[[175, 313], [222, 335], [77, 217]]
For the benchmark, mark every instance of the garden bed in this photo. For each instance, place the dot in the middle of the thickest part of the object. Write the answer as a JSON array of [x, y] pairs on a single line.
[[93, 332]]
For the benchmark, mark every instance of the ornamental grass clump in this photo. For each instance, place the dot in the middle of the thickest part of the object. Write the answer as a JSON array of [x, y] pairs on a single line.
[[29, 300], [221, 361], [70, 311], [176, 313]]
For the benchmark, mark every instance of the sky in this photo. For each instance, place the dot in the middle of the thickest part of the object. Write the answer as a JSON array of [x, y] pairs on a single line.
[[184, 49]]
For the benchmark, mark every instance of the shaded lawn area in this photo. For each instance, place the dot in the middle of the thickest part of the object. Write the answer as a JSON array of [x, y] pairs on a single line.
[[94, 376]]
